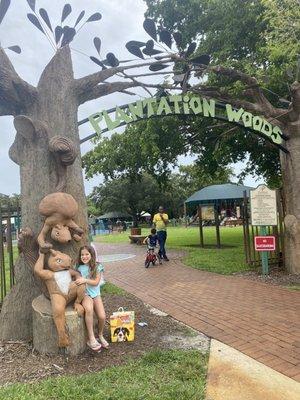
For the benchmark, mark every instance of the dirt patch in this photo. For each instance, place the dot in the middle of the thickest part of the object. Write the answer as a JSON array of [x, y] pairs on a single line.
[[19, 362], [186, 342]]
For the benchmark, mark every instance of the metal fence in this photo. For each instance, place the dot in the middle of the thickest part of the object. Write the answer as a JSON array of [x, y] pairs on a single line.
[[10, 226]]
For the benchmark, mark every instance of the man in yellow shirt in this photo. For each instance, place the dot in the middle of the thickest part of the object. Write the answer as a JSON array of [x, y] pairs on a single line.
[[160, 221]]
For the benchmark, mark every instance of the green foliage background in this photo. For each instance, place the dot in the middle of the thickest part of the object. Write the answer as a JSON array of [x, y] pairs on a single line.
[[259, 37]]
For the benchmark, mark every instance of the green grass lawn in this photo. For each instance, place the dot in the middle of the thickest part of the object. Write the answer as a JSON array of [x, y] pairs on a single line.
[[227, 260], [293, 287], [109, 288], [159, 375]]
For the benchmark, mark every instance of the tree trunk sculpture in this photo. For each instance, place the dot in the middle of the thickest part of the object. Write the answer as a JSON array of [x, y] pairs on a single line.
[[41, 114]]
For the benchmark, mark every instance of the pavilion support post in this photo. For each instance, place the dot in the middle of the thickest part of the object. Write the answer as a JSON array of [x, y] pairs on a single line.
[[184, 214], [247, 244], [217, 222], [200, 226]]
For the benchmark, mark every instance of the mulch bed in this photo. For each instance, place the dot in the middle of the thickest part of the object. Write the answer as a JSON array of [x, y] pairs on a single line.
[[277, 276], [19, 362]]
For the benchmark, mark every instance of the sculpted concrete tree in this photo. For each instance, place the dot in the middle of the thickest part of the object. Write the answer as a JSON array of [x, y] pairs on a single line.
[[46, 145]]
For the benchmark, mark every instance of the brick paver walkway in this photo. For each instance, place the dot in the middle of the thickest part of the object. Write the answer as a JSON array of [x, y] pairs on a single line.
[[260, 320]]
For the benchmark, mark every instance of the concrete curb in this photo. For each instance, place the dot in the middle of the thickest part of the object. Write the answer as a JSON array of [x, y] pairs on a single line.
[[234, 376]]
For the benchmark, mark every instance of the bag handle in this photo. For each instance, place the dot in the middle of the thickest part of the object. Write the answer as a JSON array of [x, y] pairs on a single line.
[[121, 309]]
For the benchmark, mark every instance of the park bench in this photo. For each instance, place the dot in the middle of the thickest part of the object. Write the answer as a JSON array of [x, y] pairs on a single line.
[[233, 222], [138, 239]]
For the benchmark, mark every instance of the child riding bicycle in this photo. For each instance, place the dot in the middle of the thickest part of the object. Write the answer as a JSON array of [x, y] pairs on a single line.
[[151, 241]]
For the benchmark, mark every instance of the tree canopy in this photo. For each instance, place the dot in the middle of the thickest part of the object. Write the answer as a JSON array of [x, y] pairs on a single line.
[[235, 33], [146, 194], [260, 37], [11, 203], [141, 148]]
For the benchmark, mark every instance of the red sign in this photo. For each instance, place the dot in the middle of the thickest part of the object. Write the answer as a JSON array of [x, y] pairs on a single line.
[[264, 243]]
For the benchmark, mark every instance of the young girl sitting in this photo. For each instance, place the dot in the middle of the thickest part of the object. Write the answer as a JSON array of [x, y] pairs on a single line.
[[91, 275]]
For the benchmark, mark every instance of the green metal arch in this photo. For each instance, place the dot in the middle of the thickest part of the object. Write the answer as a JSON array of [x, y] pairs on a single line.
[[187, 105]]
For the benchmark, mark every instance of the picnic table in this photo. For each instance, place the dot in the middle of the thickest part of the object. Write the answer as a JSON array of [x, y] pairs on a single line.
[[138, 239], [233, 222]]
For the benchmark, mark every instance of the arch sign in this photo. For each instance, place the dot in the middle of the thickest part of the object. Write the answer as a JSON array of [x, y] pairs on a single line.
[[187, 104]]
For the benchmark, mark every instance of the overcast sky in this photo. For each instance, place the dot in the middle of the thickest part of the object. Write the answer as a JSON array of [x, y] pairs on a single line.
[[121, 21]]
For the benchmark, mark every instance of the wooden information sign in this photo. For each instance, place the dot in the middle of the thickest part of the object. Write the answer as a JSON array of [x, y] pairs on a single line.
[[263, 206]]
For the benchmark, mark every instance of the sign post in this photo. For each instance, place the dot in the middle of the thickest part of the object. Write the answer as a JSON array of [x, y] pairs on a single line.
[[263, 213], [264, 254]]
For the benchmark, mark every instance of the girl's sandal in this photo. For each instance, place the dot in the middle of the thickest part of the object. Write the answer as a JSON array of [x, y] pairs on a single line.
[[103, 342], [95, 346]]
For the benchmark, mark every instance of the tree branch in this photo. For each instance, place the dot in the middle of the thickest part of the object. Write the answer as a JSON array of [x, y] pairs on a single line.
[[275, 121], [88, 82], [108, 88], [234, 74], [150, 74], [133, 80], [14, 91], [261, 104], [105, 89], [225, 97]]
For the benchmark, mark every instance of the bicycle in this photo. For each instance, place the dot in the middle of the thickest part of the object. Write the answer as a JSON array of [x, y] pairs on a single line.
[[151, 257]]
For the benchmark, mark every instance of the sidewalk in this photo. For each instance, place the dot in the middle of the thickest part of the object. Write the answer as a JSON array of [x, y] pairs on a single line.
[[234, 376], [260, 320]]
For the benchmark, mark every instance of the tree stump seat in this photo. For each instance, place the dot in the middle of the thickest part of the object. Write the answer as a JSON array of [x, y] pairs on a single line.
[[138, 239], [44, 330]]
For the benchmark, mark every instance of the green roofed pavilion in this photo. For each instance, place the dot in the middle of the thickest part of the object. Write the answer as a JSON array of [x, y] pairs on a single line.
[[217, 197], [215, 194]]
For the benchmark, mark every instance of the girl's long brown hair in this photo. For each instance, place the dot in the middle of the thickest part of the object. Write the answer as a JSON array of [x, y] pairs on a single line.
[[92, 263]]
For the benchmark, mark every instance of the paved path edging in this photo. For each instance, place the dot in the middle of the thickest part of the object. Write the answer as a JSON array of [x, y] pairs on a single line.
[[234, 376]]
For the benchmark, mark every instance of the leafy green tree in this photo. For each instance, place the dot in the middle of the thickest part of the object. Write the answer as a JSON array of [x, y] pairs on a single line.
[[11, 203], [146, 194], [143, 147], [126, 195], [92, 208], [259, 37], [238, 34], [153, 147], [194, 177], [282, 35], [226, 29], [253, 34]]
